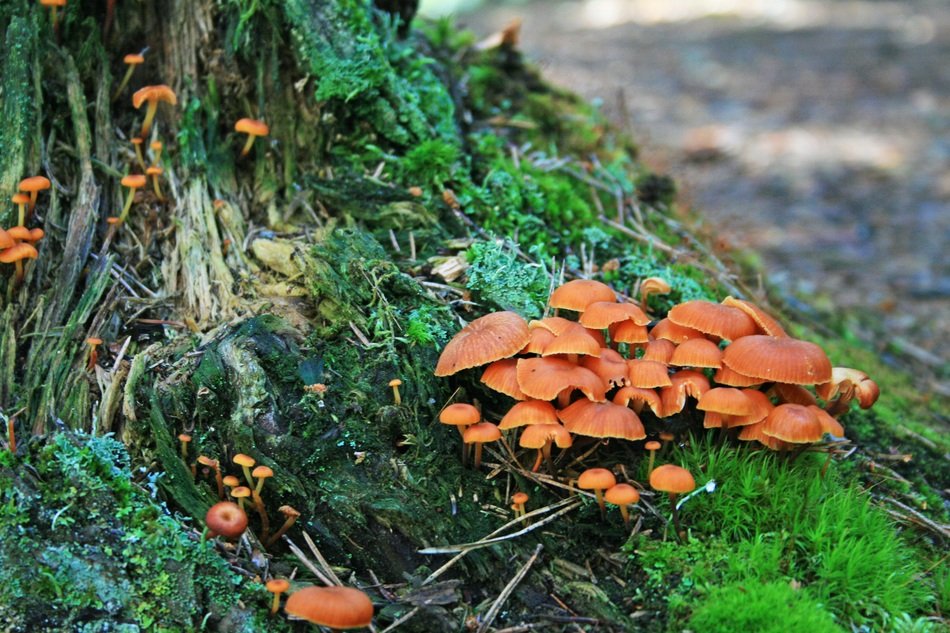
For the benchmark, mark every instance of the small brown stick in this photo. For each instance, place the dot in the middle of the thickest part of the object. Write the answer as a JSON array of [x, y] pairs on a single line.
[[509, 588]]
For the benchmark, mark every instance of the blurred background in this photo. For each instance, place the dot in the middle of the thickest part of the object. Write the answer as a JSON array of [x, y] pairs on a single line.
[[815, 133]]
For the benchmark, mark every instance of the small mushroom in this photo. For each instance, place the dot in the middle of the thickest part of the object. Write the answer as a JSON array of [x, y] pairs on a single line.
[[93, 342], [653, 446], [395, 383], [332, 607], [33, 185], [245, 462], [152, 95], [277, 586], [131, 60], [225, 518], [479, 434], [155, 171], [216, 467], [673, 480], [623, 495], [598, 480], [241, 493], [290, 517], [518, 500], [185, 439], [253, 128], [21, 200], [133, 182]]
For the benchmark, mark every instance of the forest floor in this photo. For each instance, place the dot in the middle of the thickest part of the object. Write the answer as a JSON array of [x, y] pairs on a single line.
[[814, 136]]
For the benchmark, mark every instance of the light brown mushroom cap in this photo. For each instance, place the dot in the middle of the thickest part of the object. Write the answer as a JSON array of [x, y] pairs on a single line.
[[686, 383], [785, 360], [639, 396], [665, 328], [596, 479], [610, 366], [829, 424], [545, 378], [241, 492], [697, 352], [654, 286], [253, 127], [18, 252], [395, 382], [725, 376], [653, 445], [502, 376], [603, 314], [460, 414], [713, 318], [204, 460], [647, 374], [753, 432], [243, 460], [20, 198], [160, 92], [153, 170], [288, 511], [231, 481], [486, 339], [629, 332], [538, 340], [577, 294], [575, 339], [765, 323], [622, 495], [332, 607], [277, 585], [602, 419], [262, 472], [660, 350], [134, 181], [538, 435], [527, 413], [481, 433], [793, 423], [133, 59], [34, 183], [672, 478]]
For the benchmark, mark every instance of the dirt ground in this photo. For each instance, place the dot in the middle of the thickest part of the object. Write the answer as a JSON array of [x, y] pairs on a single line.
[[815, 134]]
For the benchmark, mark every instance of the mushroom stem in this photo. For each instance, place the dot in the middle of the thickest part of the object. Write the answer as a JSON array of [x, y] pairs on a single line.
[[125, 82], [149, 117], [259, 506], [219, 480], [625, 514], [546, 450], [275, 604], [22, 212], [600, 501], [247, 475], [158, 192], [137, 144], [128, 206], [478, 454], [248, 145], [396, 397], [676, 517], [10, 434], [19, 272], [650, 463]]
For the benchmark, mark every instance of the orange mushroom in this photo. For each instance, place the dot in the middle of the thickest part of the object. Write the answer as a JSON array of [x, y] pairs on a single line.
[[290, 517], [245, 462], [131, 60], [653, 446], [602, 419], [623, 495], [598, 480], [21, 200], [577, 294], [253, 128], [225, 518], [461, 416], [518, 500], [16, 254], [395, 383], [652, 286], [93, 342], [502, 376], [332, 607], [33, 185], [154, 171], [672, 480], [785, 360], [479, 434], [489, 338], [277, 586], [152, 95], [541, 436], [53, 5], [133, 182]]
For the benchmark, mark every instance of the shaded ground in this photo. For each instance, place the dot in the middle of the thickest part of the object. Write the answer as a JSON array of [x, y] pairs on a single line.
[[813, 134]]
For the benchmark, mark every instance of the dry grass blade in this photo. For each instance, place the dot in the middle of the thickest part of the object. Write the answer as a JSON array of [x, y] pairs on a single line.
[[306, 562], [503, 596], [323, 562]]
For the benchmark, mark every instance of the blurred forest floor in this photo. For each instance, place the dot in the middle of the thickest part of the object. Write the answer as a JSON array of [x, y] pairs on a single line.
[[817, 135]]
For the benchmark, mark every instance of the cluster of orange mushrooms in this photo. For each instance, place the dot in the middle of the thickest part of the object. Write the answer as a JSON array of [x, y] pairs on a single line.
[[18, 243], [600, 364]]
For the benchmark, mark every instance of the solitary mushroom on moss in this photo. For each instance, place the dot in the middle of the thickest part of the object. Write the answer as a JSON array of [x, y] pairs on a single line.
[[290, 517], [154, 171], [673, 480], [395, 384], [253, 128], [517, 502], [152, 95]]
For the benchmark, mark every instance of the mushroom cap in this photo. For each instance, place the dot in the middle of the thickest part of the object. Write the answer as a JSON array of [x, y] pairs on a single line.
[[156, 145], [94, 340], [204, 460], [647, 374], [538, 340], [18, 252], [241, 492], [262, 472], [654, 285], [629, 332], [288, 511], [529, 412], [278, 585], [792, 394], [486, 339], [672, 478], [763, 321], [622, 495], [713, 318], [136, 140], [153, 170], [230, 481], [725, 376], [134, 59], [761, 408], [538, 435], [828, 422], [653, 445], [227, 519], [20, 198], [545, 378], [53, 3], [35, 183], [659, 349], [460, 414], [480, 433], [134, 181], [648, 397], [184, 437], [665, 328], [19, 233], [395, 382], [596, 479], [575, 339], [160, 92], [793, 423], [686, 382], [602, 419], [577, 294], [602, 314], [697, 352], [333, 607], [727, 400], [502, 376], [519, 497], [610, 366], [778, 359], [553, 324], [254, 127], [753, 432], [243, 460]]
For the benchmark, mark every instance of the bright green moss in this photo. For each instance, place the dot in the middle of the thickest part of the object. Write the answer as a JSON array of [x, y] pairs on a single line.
[[774, 607]]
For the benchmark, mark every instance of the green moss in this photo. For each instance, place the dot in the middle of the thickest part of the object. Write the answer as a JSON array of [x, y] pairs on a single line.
[[774, 607], [498, 278], [17, 108], [82, 545]]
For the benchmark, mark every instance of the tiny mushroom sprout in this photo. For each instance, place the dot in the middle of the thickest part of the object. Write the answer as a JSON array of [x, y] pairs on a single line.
[[131, 60], [653, 446], [333, 607], [622, 495], [137, 144], [598, 480], [33, 185], [395, 383], [479, 434], [672, 480], [53, 5], [93, 342], [152, 95], [225, 518], [517, 503], [214, 465], [253, 128], [290, 517], [155, 171], [133, 182], [277, 586], [185, 439]]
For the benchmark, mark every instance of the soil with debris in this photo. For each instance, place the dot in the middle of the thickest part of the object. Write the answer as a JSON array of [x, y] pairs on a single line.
[[817, 135]]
